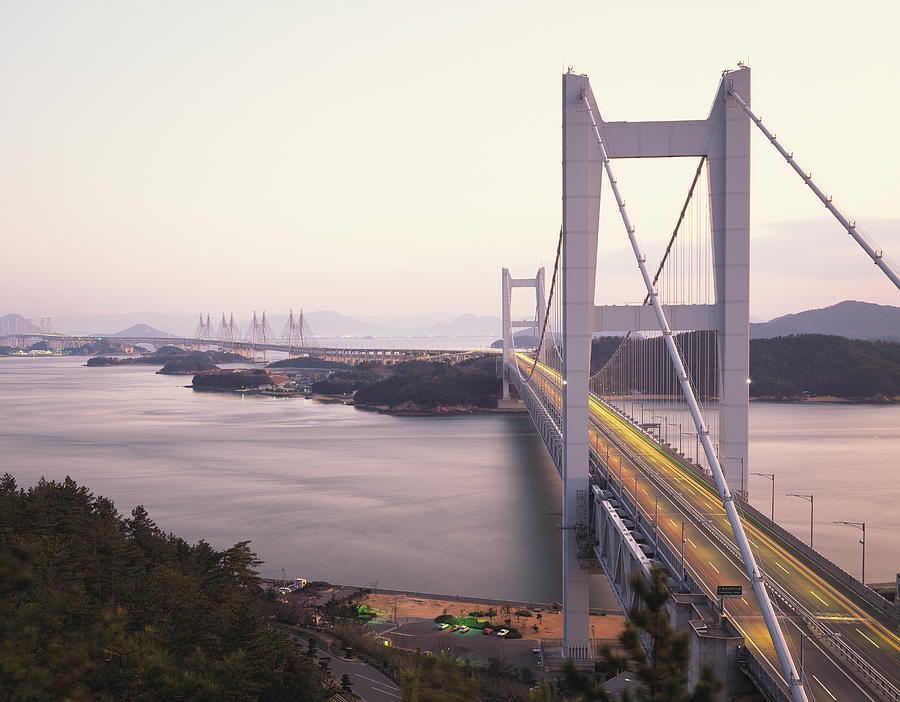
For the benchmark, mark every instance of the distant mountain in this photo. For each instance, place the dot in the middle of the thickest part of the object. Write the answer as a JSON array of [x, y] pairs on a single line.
[[329, 323], [407, 321], [143, 330], [464, 325], [16, 324], [852, 319]]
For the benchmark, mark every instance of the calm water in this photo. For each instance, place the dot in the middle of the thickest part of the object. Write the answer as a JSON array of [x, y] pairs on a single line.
[[463, 505]]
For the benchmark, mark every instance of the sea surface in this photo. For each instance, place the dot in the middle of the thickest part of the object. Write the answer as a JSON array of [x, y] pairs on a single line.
[[452, 505]]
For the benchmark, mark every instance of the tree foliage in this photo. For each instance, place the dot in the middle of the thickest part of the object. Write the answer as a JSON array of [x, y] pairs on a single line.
[[784, 366], [94, 606], [424, 385], [788, 366], [660, 667]]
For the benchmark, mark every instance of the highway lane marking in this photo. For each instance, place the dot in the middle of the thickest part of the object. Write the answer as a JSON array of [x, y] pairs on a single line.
[[823, 686], [744, 601], [769, 543], [813, 592], [864, 634], [671, 468], [691, 542], [673, 522], [713, 567]]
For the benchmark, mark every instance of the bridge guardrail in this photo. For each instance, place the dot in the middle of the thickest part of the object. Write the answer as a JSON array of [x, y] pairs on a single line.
[[879, 683], [761, 677], [871, 597]]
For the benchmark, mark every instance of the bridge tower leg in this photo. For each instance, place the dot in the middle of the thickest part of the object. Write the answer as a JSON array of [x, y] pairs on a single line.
[[729, 175], [582, 177], [506, 323]]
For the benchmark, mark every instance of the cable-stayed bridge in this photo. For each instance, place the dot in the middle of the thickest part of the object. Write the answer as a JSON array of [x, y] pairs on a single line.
[[253, 342], [636, 494]]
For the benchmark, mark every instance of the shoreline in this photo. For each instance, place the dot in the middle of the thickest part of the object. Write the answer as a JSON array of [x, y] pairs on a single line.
[[826, 399]]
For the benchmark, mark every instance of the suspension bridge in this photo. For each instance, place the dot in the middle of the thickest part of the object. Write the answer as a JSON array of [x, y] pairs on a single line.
[[761, 605]]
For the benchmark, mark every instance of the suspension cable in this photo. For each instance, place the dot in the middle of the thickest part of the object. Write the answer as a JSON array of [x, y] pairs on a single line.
[[662, 263], [687, 201], [877, 255], [755, 575], [540, 345]]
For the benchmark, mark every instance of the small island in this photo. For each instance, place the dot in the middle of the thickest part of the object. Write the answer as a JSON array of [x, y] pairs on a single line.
[[238, 380], [175, 361], [418, 387]]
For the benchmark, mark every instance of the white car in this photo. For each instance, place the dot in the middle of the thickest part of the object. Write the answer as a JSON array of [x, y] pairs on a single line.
[[441, 626], [503, 632], [463, 629]]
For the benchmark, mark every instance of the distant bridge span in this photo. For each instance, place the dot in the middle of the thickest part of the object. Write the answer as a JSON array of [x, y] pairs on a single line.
[[252, 349]]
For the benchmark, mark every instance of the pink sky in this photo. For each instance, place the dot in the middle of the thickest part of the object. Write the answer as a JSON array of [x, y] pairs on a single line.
[[389, 158]]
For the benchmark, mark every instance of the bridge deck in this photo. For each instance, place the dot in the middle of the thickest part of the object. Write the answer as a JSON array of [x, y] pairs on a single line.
[[649, 473]]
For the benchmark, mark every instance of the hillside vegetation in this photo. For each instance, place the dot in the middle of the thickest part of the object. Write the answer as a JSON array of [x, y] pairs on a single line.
[[822, 365], [419, 386], [100, 607], [791, 367]]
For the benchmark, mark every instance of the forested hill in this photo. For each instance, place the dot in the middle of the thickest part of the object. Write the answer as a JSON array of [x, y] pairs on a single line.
[[822, 365], [801, 365], [99, 607]]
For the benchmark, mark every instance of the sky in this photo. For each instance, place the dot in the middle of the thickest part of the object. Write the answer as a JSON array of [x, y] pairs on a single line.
[[388, 158]]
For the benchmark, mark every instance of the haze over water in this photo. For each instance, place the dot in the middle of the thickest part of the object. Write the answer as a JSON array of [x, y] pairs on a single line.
[[461, 505]]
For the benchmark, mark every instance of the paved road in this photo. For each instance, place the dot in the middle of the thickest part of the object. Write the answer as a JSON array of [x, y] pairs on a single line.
[[370, 684], [421, 634]]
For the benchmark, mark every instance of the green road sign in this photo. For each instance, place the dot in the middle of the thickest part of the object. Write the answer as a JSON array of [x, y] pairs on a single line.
[[729, 590]]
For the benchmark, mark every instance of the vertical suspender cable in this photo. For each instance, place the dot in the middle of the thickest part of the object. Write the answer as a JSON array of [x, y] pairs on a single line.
[[877, 255], [756, 577]]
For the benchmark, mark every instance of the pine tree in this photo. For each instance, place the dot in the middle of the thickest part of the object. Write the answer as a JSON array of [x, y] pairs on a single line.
[[662, 671]]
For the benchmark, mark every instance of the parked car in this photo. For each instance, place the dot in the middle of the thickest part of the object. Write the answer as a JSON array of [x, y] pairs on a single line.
[[503, 632], [487, 631], [441, 626], [463, 629]]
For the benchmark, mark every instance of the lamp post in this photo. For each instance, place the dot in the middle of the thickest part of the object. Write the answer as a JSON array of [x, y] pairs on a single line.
[[862, 527], [770, 476], [665, 427], [812, 636], [743, 487], [808, 498], [673, 424], [696, 457]]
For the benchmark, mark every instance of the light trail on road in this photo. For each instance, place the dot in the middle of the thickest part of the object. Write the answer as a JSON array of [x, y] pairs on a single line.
[[635, 459]]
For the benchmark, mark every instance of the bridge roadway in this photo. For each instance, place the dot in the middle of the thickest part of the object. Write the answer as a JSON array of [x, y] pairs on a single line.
[[648, 473]]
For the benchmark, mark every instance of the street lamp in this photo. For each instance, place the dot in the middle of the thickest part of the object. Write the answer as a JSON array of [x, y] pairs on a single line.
[[812, 636], [770, 476], [665, 427], [808, 498], [673, 424], [741, 459], [862, 527], [696, 448]]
